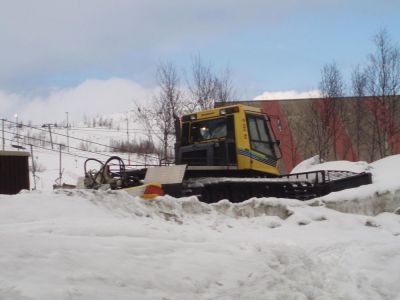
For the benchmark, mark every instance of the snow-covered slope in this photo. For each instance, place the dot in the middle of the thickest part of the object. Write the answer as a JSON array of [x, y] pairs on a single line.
[[78, 244], [93, 138]]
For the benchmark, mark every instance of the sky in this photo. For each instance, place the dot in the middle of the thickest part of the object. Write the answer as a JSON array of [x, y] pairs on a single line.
[[99, 56]]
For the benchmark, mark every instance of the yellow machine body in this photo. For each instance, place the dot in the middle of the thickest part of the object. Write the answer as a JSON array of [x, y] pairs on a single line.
[[243, 131]]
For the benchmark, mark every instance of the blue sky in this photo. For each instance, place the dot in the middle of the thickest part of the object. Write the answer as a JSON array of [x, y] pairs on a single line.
[[268, 45]]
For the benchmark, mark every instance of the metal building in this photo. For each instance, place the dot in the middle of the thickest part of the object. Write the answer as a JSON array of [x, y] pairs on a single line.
[[351, 128], [14, 172]]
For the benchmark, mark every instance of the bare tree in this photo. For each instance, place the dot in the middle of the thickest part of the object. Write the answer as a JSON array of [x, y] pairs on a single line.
[[295, 142], [383, 83], [206, 87], [359, 124], [316, 140], [158, 117], [332, 110], [331, 84], [202, 86], [223, 87]]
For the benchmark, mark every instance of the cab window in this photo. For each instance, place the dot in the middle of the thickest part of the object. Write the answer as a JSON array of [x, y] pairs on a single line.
[[260, 139], [208, 129]]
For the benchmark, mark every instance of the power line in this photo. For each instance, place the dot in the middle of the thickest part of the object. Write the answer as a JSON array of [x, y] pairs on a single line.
[[75, 138], [84, 128], [40, 140], [51, 150], [94, 128], [75, 154], [60, 134], [112, 129]]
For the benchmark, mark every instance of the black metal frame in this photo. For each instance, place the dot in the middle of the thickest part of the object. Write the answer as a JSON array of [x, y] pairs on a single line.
[[301, 186]]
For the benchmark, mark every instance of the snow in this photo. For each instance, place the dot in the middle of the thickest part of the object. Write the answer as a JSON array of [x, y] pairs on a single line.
[[101, 245], [312, 164], [81, 244], [383, 195]]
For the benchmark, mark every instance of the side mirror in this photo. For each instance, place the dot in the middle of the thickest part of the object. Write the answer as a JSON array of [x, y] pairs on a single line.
[[278, 142]]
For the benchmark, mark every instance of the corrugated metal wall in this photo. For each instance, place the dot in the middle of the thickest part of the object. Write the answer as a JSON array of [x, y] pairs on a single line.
[[363, 127], [14, 172]]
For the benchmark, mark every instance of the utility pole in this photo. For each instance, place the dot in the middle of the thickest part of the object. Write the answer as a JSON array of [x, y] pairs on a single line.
[[2, 133], [127, 129], [51, 137], [127, 136], [67, 131], [60, 165], [17, 130], [33, 168]]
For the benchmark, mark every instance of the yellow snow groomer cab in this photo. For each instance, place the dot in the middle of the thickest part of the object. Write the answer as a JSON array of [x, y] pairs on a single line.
[[229, 141]]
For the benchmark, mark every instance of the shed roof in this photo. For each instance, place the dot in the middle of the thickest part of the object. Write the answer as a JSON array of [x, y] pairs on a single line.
[[14, 153]]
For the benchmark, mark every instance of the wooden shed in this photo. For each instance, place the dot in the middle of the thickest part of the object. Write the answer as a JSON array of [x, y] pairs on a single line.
[[14, 172]]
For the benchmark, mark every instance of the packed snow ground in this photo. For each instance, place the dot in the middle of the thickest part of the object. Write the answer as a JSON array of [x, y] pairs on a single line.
[[78, 244]]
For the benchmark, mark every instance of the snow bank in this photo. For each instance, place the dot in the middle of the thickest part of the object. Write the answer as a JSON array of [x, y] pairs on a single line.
[[383, 195], [363, 200], [169, 208], [80, 244], [101, 245], [313, 164]]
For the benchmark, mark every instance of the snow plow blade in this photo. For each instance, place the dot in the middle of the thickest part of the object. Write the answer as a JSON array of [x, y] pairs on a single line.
[[170, 178]]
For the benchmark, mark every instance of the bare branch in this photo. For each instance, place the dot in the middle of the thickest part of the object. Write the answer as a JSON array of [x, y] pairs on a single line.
[[158, 117], [206, 87]]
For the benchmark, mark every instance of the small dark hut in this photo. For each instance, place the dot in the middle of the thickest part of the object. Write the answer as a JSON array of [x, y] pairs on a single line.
[[14, 172]]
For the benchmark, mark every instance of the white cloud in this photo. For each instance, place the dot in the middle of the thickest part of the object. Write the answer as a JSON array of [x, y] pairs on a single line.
[[286, 95], [90, 98], [46, 37], [96, 97]]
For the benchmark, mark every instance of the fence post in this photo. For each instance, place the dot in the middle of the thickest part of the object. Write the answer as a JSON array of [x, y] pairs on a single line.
[[33, 168]]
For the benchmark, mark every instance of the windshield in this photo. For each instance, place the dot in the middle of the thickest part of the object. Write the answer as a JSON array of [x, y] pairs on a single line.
[[208, 129]]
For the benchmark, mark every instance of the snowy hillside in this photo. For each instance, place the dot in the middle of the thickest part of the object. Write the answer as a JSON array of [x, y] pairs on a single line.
[[102, 245], [92, 138], [84, 134]]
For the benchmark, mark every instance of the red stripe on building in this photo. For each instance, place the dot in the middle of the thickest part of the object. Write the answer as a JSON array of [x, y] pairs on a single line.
[[384, 119], [395, 142], [283, 133], [342, 142]]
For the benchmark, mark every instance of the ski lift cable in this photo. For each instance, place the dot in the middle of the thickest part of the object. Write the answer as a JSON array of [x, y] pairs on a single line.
[[68, 153], [71, 147], [63, 152], [52, 150], [97, 153], [75, 138]]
